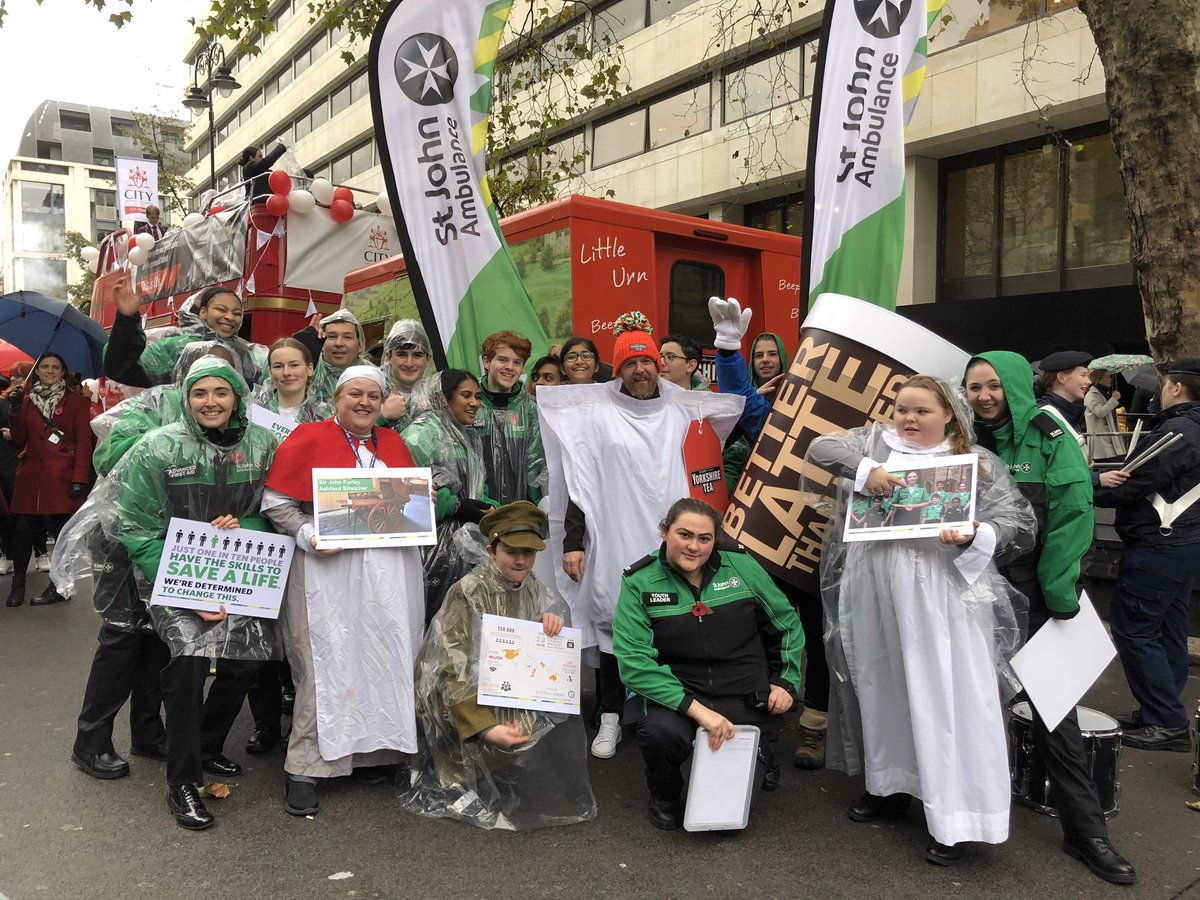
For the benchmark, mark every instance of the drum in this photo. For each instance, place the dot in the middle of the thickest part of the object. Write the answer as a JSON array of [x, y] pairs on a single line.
[[1102, 749]]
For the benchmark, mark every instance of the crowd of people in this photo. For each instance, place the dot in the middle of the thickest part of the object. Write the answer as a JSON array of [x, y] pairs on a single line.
[[374, 658]]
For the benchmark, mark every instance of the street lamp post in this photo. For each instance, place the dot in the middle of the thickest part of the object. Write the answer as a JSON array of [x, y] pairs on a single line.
[[217, 77]]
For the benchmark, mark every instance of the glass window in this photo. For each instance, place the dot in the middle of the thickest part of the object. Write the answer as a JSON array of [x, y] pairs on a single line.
[[977, 19], [1097, 218], [256, 104], [809, 52], [681, 116], [270, 91], [660, 9], [103, 231], [48, 169], [43, 217], [104, 205], [360, 87], [569, 43], [284, 78], [617, 21], [970, 221], [692, 283], [783, 215], [619, 138], [49, 150], [101, 156], [319, 114], [303, 127], [281, 18], [565, 158], [47, 276], [74, 121], [1029, 213], [302, 61], [762, 85], [362, 157], [123, 127], [341, 169], [340, 99]]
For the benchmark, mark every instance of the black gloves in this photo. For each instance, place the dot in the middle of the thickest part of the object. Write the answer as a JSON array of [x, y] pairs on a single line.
[[1064, 615], [471, 510], [78, 490]]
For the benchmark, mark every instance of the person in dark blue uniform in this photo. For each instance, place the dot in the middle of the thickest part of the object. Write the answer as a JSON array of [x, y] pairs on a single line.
[[1158, 518]]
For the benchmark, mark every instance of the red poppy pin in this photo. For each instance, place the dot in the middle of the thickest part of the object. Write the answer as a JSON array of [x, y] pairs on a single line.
[[237, 457], [699, 610]]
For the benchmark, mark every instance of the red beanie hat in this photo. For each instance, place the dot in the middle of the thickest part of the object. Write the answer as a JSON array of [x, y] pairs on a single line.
[[633, 340]]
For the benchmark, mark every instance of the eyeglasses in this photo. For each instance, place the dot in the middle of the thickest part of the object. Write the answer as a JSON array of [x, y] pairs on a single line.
[[585, 355], [671, 357]]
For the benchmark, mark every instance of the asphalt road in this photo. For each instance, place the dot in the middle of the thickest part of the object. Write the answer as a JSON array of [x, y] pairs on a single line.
[[65, 835]]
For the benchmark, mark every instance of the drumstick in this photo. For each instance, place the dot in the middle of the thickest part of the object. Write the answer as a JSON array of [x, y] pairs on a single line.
[[1133, 439], [1154, 445], [1153, 452]]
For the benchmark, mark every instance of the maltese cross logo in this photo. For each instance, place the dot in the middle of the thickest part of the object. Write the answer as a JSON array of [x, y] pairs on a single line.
[[882, 18], [426, 69]]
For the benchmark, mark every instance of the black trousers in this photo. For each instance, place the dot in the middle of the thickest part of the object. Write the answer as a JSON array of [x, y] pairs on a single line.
[[666, 739], [197, 726], [127, 666], [812, 620], [610, 692], [265, 695], [30, 532], [1063, 754]]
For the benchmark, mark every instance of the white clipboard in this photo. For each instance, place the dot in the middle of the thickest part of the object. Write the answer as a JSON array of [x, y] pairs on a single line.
[[722, 783]]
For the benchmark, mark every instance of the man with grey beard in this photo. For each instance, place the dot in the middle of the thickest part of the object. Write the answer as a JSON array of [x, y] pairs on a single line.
[[615, 457]]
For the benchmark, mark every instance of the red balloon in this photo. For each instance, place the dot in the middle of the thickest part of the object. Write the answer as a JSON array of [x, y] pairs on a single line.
[[281, 182], [341, 210], [344, 193], [277, 205], [213, 210]]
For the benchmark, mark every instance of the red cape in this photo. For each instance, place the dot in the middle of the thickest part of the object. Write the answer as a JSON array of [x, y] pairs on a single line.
[[323, 445]]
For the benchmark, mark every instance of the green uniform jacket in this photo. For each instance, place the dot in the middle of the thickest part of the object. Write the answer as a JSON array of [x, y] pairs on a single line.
[[1053, 475], [749, 639]]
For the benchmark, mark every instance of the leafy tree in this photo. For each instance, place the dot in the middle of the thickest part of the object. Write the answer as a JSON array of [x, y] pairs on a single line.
[[162, 137], [80, 293]]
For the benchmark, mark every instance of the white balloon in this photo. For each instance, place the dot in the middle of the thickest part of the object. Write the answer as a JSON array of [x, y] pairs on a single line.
[[145, 241], [139, 256], [93, 264], [192, 218], [385, 203], [322, 190], [89, 253], [301, 202]]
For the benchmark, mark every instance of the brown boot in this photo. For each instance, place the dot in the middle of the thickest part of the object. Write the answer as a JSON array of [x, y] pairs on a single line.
[[810, 751]]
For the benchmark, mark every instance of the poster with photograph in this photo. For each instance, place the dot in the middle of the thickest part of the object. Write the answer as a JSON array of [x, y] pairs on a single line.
[[205, 568], [938, 493], [358, 509]]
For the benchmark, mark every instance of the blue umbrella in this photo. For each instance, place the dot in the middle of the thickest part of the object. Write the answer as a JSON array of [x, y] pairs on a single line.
[[38, 324]]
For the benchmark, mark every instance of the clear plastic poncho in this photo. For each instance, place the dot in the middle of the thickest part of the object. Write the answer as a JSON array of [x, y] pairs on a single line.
[[187, 471], [890, 605], [455, 454], [325, 376], [164, 347], [458, 775], [311, 410], [410, 332]]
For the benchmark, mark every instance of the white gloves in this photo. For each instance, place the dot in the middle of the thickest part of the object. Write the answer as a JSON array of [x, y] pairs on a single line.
[[730, 322]]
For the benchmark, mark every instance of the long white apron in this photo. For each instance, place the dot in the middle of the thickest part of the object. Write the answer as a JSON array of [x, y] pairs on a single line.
[[932, 724], [366, 619], [621, 461]]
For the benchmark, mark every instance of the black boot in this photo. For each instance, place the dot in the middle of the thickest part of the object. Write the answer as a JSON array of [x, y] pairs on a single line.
[[17, 595], [47, 597]]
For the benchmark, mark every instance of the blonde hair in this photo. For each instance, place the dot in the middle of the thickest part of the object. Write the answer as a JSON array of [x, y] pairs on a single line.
[[954, 430]]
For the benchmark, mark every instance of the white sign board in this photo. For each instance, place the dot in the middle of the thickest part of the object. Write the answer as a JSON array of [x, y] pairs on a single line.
[[205, 568], [522, 667]]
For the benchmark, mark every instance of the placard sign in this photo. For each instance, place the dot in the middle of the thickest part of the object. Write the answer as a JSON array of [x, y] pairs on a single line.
[[853, 358], [205, 568]]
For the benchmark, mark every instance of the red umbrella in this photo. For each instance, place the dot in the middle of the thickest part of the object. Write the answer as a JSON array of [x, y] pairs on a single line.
[[9, 354]]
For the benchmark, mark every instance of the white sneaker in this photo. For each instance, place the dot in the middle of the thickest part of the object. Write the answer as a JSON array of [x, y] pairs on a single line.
[[42, 563], [6, 565], [607, 738]]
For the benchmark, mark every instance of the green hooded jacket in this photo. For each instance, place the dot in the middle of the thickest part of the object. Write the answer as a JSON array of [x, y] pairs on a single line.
[[1052, 474], [188, 471], [783, 356]]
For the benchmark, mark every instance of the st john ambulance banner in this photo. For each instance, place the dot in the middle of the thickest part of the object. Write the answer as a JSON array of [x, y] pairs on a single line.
[[137, 188], [872, 61], [431, 70]]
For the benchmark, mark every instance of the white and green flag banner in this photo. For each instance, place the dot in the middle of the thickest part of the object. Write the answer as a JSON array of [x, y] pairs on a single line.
[[431, 67], [872, 62]]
